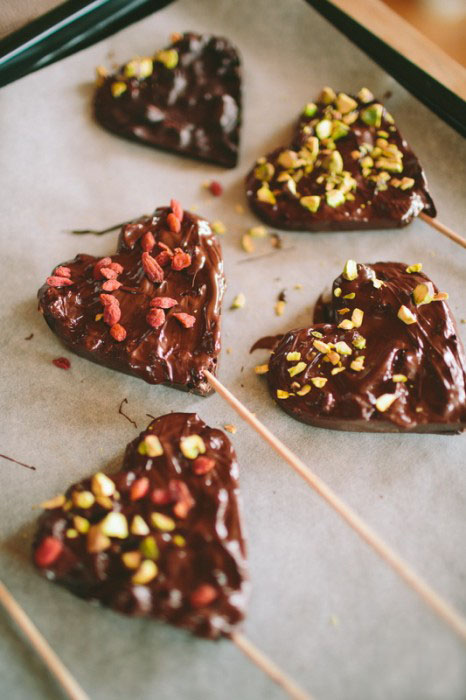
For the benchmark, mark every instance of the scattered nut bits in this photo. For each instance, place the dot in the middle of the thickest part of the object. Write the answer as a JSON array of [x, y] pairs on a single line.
[[152, 268]]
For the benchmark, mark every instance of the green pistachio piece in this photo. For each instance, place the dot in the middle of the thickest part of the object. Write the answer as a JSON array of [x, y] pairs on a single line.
[[406, 315], [319, 382], [293, 356], [101, 485], [150, 446], [283, 394], [146, 573], [82, 499], [139, 68], [365, 95], [392, 166], [118, 88], [334, 198], [417, 267], [327, 96], [162, 522], [312, 145], [423, 293], [339, 130], [139, 526], [345, 103], [323, 129], [407, 183], [264, 194], [192, 446], [169, 58], [310, 109], [297, 369], [311, 202], [350, 271], [343, 348], [333, 162], [264, 172], [149, 548], [372, 116], [384, 402], [359, 342], [114, 525], [288, 160]]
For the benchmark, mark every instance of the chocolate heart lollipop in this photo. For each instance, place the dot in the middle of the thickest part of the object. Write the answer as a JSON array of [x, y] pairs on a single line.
[[153, 309], [383, 355], [187, 99], [348, 167], [161, 538]]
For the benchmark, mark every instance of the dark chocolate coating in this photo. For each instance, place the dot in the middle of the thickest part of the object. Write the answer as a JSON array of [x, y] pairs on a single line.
[[371, 209], [428, 352], [193, 109], [171, 354], [214, 551]]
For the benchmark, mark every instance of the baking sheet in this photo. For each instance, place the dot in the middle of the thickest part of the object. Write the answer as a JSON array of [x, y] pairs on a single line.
[[323, 605]]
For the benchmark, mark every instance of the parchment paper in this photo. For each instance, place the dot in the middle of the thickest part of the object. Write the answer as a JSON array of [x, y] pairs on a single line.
[[323, 605]]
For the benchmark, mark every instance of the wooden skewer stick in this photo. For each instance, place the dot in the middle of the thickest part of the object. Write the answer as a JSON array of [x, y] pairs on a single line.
[[63, 677], [443, 229], [268, 667], [440, 606]]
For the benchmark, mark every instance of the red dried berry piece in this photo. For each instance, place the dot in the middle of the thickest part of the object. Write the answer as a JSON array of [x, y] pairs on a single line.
[[108, 273], [163, 302], [203, 595], [164, 258], [104, 262], [215, 188], [147, 242], [186, 320], [139, 488], [164, 246], [118, 331], [177, 209], [112, 315], [55, 281], [108, 300], [62, 271], [152, 268], [180, 260], [174, 223], [182, 497], [161, 497], [155, 318], [111, 285], [48, 551], [62, 362], [203, 465], [116, 267]]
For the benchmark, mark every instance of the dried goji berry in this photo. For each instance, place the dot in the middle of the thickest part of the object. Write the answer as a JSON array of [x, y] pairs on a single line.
[[62, 271], [111, 285], [161, 497], [104, 262], [112, 314], [48, 551], [147, 242], [139, 488], [54, 281], [215, 188], [152, 268], [203, 595], [163, 302], [180, 260], [155, 318], [116, 267], [62, 362], [108, 300], [164, 258], [117, 331], [174, 223], [203, 465], [177, 209], [108, 273], [186, 320]]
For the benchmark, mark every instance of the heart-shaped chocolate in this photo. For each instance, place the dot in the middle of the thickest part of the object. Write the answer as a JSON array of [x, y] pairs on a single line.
[[348, 167], [187, 99], [161, 538], [383, 355], [153, 309]]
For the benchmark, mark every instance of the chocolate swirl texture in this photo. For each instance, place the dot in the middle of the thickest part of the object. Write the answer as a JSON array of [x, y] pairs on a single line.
[[348, 167], [187, 99], [179, 513], [170, 354], [383, 355]]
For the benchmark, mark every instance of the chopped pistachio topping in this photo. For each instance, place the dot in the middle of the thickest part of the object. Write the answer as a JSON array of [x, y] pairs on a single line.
[[264, 172], [321, 346], [351, 295], [258, 232], [358, 364], [372, 116], [323, 129], [365, 95], [288, 160], [345, 103], [334, 198], [343, 348], [139, 526], [96, 540], [293, 356], [406, 315], [81, 524], [296, 369], [179, 541], [261, 369], [264, 194], [333, 162], [337, 370], [114, 525], [146, 572], [332, 357], [162, 522], [319, 382], [339, 130], [192, 446], [417, 267], [56, 502], [384, 402], [118, 88], [337, 292], [169, 58], [83, 499], [317, 334], [149, 549], [218, 227], [377, 283], [72, 533], [359, 342], [346, 324], [139, 68], [423, 293], [407, 183], [131, 559], [304, 390], [399, 378], [101, 485], [350, 271], [327, 95], [280, 307], [239, 301], [150, 446], [246, 243], [105, 502], [311, 202], [343, 311], [310, 109], [357, 317], [282, 394], [441, 296]]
